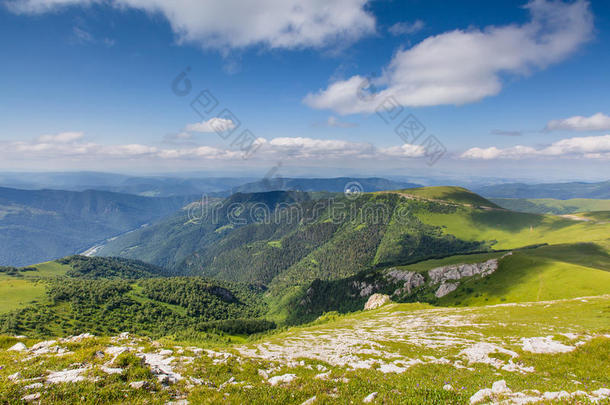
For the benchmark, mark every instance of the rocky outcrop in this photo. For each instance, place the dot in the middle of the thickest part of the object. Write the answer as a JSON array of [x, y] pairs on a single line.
[[365, 289], [458, 271], [443, 275], [445, 289], [411, 279], [376, 301]]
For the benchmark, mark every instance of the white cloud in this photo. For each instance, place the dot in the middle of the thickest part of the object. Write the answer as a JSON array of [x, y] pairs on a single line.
[[73, 145], [334, 122], [596, 122], [465, 66], [405, 150], [212, 125], [402, 28], [62, 137], [82, 35], [237, 24], [593, 147]]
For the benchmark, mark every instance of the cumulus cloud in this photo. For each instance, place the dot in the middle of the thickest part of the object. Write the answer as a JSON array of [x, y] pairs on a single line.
[[334, 122], [593, 147], [62, 137], [402, 28], [239, 24], [74, 145], [212, 125], [465, 66], [596, 122]]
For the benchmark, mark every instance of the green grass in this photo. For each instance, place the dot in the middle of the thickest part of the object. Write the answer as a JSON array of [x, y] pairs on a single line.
[[453, 194], [509, 230], [547, 273], [597, 216], [16, 293], [446, 261], [29, 287], [552, 206], [585, 368], [49, 269]]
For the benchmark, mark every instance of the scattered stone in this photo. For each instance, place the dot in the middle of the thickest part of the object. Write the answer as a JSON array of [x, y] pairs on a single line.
[[66, 376], [479, 353], [138, 384], [14, 377], [370, 398], [31, 397], [480, 396], [33, 386], [310, 401], [18, 347], [499, 387], [161, 367], [376, 301], [282, 379], [544, 345], [111, 370], [263, 374], [447, 387], [229, 381], [322, 376], [78, 338]]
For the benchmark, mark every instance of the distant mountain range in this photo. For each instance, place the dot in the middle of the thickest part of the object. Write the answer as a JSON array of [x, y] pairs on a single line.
[[149, 186], [39, 225], [560, 191], [337, 184], [167, 186]]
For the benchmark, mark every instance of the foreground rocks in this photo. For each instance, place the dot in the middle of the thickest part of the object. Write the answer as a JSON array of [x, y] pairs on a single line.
[[376, 300]]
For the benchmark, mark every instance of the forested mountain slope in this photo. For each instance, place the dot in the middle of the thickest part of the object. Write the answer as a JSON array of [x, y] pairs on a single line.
[[39, 225], [289, 239]]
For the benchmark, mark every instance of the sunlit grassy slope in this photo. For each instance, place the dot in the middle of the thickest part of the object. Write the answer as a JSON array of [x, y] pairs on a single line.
[[28, 287], [512, 229], [453, 194], [547, 273], [405, 353], [552, 206]]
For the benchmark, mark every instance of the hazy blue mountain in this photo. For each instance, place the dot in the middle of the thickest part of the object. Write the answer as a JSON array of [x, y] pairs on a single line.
[[39, 225], [560, 191], [149, 186], [337, 184]]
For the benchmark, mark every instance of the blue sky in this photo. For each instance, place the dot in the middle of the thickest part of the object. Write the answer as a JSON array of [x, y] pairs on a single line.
[[509, 88]]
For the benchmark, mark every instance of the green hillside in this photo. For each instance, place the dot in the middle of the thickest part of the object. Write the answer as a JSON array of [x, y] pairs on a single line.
[[458, 195], [297, 238], [547, 272], [79, 294], [552, 206], [41, 225]]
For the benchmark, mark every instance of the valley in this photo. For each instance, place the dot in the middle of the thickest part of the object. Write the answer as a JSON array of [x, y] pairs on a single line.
[[481, 304]]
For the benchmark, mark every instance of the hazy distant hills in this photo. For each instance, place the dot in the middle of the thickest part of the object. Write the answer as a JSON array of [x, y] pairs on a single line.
[[39, 225], [560, 191], [337, 184], [150, 186], [180, 185]]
